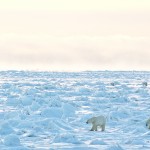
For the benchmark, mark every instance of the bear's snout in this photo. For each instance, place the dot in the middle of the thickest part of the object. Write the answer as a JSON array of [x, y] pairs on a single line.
[[87, 122]]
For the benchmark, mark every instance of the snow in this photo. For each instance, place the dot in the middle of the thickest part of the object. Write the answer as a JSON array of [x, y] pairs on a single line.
[[49, 110], [12, 140]]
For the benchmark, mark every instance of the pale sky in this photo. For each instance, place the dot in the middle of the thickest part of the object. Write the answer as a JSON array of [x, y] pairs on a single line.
[[74, 35]]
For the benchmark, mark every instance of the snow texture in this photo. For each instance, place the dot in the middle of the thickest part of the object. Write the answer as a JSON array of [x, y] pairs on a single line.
[[49, 110]]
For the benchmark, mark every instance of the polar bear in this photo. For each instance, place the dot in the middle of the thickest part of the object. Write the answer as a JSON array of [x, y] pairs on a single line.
[[97, 121], [148, 123], [144, 83]]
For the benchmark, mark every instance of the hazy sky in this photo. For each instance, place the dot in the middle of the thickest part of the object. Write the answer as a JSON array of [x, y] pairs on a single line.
[[74, 35]]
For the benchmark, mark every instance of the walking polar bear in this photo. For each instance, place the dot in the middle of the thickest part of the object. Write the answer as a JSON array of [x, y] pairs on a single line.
[[97, 121]]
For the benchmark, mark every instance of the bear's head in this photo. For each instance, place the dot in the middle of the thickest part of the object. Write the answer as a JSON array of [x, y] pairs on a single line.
[[148, 123], [91, 120]]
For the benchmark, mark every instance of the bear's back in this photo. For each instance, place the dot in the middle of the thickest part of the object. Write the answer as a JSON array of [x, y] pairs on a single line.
[[101, 119]]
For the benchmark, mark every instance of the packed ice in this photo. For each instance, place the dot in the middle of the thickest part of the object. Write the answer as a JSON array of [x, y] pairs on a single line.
[[49, 110]]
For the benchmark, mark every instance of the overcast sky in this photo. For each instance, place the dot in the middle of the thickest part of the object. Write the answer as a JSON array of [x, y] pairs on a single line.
[[74, 35]]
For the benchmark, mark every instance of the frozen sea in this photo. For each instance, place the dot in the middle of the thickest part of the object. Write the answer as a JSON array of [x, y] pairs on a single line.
[[49, 110]]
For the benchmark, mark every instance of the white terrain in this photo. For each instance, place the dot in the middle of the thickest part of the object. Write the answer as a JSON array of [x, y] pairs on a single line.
[[49, 110]]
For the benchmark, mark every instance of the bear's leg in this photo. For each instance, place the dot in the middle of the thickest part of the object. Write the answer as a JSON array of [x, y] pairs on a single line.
[[103, 127], [94, 128]]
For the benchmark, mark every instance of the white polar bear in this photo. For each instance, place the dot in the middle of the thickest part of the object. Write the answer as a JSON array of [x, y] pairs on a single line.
[[148, 123], [144, 83], [97, 121]]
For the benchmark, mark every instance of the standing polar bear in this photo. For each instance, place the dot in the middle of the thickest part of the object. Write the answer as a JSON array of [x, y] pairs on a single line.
[[97, 121], [148, 123]]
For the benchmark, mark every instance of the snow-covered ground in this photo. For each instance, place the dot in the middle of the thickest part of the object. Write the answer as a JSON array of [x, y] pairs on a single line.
[[49, 110]]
